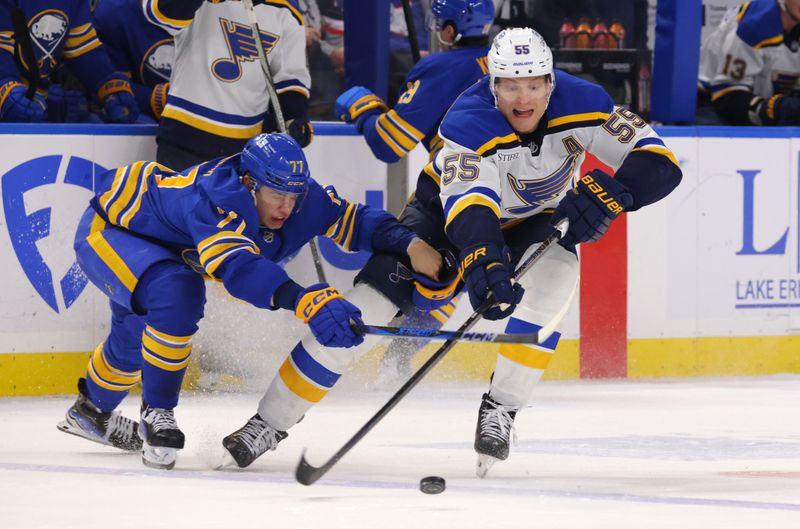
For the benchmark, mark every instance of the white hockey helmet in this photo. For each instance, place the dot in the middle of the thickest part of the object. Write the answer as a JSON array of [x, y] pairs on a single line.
[[520, 52]]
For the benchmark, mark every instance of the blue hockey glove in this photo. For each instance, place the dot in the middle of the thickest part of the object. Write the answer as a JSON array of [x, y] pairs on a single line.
[[329, 316], [780, 110], [158, 99], [356, 104], [486, 270], [590, 206], [301, 130], [116, 96], [431, 294], [66, 106], [15, 107]]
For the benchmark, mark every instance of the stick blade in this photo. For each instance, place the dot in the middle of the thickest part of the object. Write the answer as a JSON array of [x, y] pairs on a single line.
[[307, 474]]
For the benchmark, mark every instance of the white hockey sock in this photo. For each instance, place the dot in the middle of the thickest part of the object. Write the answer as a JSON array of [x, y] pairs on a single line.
[[520, 367], [311, 370]]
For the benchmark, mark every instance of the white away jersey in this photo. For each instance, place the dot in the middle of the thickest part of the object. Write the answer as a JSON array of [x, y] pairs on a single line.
[[217, 85], [484, 162], [749, 51]]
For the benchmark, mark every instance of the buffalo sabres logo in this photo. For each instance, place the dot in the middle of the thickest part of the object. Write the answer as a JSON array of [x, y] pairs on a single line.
[[156, 66], [241, 48], [534, 193], [47, 30]]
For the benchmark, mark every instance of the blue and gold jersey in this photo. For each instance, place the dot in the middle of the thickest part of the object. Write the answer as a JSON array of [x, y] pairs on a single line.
[[207, 217], [431, 87], [492, 177], [62, 33], [136, 46]]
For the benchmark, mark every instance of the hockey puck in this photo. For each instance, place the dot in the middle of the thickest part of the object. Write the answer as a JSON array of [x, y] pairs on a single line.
[[431, 485]]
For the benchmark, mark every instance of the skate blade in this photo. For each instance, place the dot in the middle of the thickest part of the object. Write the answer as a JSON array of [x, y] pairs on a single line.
[[66, 427], [226, 461], [160, 457], [484, 464]]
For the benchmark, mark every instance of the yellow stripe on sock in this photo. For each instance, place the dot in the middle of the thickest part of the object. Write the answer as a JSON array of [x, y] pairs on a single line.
[[526, 356], [298, 384]]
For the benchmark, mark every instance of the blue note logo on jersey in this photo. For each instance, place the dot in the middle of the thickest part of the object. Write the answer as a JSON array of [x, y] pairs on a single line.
[[157, 62], [48, 28], [241, 48], [29, 228], [534, 193]]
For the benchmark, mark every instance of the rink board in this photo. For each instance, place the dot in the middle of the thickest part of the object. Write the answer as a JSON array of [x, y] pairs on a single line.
[[713, 270]]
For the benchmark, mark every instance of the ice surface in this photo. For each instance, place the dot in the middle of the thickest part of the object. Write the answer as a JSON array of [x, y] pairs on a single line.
[[704, 453]]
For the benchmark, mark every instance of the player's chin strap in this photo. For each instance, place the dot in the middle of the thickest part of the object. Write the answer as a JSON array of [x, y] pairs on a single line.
[[308, 474]]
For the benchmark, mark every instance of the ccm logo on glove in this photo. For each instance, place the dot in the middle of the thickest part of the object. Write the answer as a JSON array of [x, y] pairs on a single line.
[[610, 202], [311, 302]]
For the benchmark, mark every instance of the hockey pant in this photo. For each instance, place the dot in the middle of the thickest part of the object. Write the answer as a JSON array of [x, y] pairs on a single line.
[[156, 302]]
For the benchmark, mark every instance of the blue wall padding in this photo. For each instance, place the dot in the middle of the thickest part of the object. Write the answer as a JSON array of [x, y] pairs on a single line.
[[366, 43], [675, 60]]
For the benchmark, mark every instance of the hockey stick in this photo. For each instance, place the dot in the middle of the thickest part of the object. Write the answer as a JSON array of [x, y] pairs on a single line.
[[26, 49], [308, 474], [439, 334], [412, 31], [276, 110]]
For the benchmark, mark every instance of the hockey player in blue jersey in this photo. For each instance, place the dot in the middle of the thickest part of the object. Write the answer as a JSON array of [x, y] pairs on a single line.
[[61, 33], [513, 145], [139, 48], [462, 27], [151, 236]]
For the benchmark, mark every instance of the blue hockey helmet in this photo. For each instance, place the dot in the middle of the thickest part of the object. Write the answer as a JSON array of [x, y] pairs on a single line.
[[277, 162], [471, 18]]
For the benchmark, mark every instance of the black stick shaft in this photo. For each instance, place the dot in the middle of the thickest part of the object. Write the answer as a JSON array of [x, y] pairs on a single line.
[[412, 31], [308, 474], [25, 45]]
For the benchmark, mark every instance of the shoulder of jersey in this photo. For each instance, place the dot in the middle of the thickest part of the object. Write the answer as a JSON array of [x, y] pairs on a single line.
[[577, 103], [444, 66], [110, 13], [474, 122], [759, 24], [290, 5]]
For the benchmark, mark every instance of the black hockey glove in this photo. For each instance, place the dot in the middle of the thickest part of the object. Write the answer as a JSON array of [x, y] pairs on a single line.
[[301, 130], [780, 110], [485, 269], [590, 206]]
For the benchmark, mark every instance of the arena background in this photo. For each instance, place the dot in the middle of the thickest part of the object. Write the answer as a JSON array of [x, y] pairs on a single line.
[[706, 282]]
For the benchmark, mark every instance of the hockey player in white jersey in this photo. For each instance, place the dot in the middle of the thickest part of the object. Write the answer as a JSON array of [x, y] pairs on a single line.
[[218, 97], [750, 65], [513, 146], [509, 169]]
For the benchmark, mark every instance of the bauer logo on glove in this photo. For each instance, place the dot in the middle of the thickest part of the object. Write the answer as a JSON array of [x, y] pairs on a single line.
[[602, 196]]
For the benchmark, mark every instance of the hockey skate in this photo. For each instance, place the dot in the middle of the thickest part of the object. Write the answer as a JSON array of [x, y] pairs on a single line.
[[493, 434], [161, 435], [84, 419], [246, 444]]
